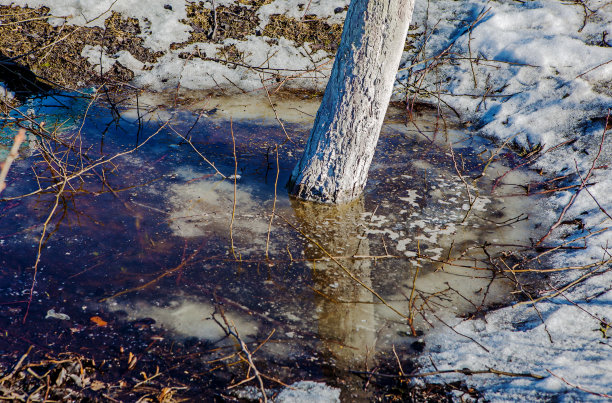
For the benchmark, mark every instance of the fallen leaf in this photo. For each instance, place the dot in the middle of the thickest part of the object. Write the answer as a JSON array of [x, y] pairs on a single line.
[[132, 360], [98, 321], [56, 315], [97, 385]]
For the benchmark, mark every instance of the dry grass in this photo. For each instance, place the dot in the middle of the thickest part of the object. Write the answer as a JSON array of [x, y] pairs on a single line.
[[318, 33], [53, 54]]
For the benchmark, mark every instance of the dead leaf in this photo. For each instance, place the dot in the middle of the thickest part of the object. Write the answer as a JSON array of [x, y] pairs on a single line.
[[132, 360], [98, 321], [97, 385]]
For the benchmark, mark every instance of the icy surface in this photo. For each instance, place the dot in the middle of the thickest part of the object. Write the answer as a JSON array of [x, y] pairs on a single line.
[[187, 318]]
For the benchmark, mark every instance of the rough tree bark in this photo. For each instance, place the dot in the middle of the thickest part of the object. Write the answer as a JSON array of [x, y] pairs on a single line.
[[335, 163]]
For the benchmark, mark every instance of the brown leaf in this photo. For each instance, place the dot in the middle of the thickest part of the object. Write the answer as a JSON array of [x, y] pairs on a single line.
[[97, 385], [98, 321]]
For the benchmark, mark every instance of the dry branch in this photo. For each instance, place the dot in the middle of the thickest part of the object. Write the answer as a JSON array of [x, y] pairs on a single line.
[[583, 183], [14, 153], [468, 372]]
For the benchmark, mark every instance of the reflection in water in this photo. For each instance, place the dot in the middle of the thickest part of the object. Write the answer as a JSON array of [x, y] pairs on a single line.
[[345, 309], [162, 232]]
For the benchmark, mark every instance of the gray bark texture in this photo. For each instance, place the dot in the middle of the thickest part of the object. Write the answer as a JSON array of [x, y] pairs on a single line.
[[334, 166]]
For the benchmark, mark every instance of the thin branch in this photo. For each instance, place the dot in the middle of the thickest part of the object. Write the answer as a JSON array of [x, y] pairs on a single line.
[[14, 153], [273, 203], [582, 184], [88, 168], [231, 227], [579, 387], [468, 372]]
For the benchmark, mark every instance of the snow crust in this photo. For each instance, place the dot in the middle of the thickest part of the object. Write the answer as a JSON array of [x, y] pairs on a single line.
[[540, 64], [565, 342]]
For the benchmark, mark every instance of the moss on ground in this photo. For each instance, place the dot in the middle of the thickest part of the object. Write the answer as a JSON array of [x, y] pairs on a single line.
[[238, 22], [201, 20], [233, 22]]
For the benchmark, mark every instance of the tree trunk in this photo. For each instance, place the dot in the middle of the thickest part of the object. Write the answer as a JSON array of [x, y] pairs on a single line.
[[335, 163]]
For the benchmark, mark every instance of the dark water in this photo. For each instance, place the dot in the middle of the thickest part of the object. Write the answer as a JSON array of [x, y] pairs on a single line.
[[143, 241]]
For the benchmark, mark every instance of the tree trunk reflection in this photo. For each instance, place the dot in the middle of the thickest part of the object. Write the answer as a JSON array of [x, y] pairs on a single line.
[[345, 309]]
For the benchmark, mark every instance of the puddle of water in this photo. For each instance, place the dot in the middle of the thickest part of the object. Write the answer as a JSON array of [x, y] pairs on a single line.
[[158, 245]]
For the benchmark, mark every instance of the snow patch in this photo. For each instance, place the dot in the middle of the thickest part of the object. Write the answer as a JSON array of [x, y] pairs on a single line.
[[308, 391]]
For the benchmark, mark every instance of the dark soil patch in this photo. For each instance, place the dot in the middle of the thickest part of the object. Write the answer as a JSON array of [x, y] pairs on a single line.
[[151, 367], [40, 55], [319, 33]]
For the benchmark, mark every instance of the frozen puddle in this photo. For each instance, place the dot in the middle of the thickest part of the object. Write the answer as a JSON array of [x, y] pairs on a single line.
[[338, 285]]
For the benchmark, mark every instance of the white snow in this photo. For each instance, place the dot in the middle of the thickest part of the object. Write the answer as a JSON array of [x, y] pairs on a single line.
[[300, 66], [540, 74], [518, 341], [542, 50], [308, 391], [330, 10], [103, 62], [5, 92], [535, 55], [298, 392], [160, 25]]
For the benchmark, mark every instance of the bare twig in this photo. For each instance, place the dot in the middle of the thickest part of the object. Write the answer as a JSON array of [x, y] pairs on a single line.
[[579, 387], [582, 184], [16, 367], [275, 113], [188, 141], [79, 173], [40, 244], [231, 227], [273, 203], [14, 153], [232, 330]]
